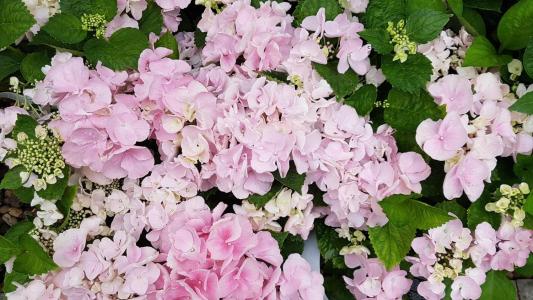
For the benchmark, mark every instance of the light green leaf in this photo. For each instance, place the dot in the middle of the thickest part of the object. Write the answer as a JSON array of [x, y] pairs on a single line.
[[514, 29], [478, 214], [402, 210], [492, 5], [330, 244], [34, 260], [8, 249], [121, 52], [8, 66], [523, 168], [391, 243], [32, 64], [410, 75], [12, 178], [15, 20], [342, 84], [168, 41], [56, 190], [497, 287], [363, 99], [528, 206], [261, 200], [12, 277], [379, 12], [65, 28], [379, 39], [306, 8], [527, 59], [424, 25], [406, 111], [524, 104], [292, 180], [152, 20], [107, 8], [482, 54]]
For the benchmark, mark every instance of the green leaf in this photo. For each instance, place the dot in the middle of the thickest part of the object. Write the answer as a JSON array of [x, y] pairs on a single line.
[[482, 54], [56, 190], [152, 20], [524, 104], [19, 229], [417, 106], [24, 124], [492, 5], [12, 178], [32, 64], [514, 29], [528, 206], [477, 213], [410, 75], [402, 210], [15, 20], [391, 243], [342, 84], [336, 288], [415, 5], [199, 38], [497, 287], [24, 194], [456, 6], [527, 59], [379, 39], [307, 8], [473, 22], [8, 66], [330, 244], [8, 249], [120, 52], [424, 25], [280, 237], [168, 41], [107, 8], [292, 180], [453, 207], [523, 168], [67, 199], [261, 200], [363, 99], [379, 12], [527, 270], [65, 28], [34, 260], [292, 244], [12, 277], [528, 222]]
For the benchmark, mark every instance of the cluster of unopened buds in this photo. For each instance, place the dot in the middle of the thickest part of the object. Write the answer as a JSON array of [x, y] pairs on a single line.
[[510, 203], [402, 45]]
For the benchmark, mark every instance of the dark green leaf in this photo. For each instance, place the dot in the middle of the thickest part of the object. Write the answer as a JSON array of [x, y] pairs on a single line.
[[391, 243], [152, 20], [260, 200], [12, 277], [415, 5], [524, 104], [478, 214], [342, 84], [19, 229], [482, 54], [307, 8], [336, 288], [379, 39], [524, 168], [527, 59], [363, 99], [417, 107], [15, 20], [292, 180], [121, 52], [401, 210], [67, 199], [456, 6], [24, 194], [168, 41], [514, 29], [292, 244], [8, 249], [65, 28], [453, 207], [497, 287], [528, 222], [528, 206], [410, 75], [379, 12], [330, 244], [107, 8], [56, 190], [472, 21], [199, 38], [424, 25], [12, 178], [24, 124], [493, 5], [8, 66], [34, 260], [527, 270], [32, 64], [280, 237]]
